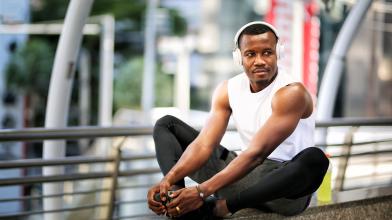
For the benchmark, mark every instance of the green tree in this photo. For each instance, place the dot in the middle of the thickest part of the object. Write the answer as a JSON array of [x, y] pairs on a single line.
[[128, 86], [28, 73]]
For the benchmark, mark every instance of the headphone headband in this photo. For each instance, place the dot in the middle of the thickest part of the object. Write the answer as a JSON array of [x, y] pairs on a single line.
[[237, 53], [263, 23]]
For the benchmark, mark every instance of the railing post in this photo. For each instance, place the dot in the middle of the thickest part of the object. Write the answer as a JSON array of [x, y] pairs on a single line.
[[111, 184], [343, 161], [114, 180]]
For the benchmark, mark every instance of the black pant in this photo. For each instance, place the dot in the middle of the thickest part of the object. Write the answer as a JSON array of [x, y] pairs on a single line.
[[284, 188]]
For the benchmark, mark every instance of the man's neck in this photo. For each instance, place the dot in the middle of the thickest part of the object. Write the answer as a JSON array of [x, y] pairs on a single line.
[[258, 86]]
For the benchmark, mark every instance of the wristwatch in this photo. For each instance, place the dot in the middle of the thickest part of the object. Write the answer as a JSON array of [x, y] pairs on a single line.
[[201, 194]]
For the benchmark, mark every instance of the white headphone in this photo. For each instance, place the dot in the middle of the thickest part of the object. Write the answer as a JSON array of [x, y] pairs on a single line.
[[237, 53]]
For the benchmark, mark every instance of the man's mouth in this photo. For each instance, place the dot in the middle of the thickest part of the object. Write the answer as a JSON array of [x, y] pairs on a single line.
[[260, 70]]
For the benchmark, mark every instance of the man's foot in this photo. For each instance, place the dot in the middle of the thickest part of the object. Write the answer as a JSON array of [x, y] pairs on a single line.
[[205, 212], [157, 196], [220, 210]]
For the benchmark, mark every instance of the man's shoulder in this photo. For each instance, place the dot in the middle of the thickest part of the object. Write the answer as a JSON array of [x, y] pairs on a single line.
[[292, 91], [293, 95]]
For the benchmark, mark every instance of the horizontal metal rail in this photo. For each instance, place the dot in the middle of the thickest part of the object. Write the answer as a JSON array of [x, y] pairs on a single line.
[[76, 193], [134, 186], [355, 143], [37, 212], [378, 175], [354, 122], [363, 154], [72, 133], [26, 163], [73, 177], [130, 201], [98, 132], [127, 173], [146, 216]]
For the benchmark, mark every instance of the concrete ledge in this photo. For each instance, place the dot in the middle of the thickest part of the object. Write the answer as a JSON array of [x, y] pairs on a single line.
[[373, 208], [364, 203]]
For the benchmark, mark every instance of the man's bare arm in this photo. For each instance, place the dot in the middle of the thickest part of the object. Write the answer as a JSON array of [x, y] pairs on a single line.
[[198, 152], [289, 105]]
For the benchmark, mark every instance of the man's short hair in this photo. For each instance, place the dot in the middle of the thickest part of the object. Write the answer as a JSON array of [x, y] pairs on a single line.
[[255, 29]]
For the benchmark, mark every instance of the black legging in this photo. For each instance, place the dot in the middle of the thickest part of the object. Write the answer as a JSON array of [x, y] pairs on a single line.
[[299, 177]]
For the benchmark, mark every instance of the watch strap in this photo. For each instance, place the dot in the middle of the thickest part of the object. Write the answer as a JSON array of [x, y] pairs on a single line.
[[201, 194]]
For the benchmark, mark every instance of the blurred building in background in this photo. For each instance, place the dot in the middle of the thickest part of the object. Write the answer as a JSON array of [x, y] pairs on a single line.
[[367, 87]]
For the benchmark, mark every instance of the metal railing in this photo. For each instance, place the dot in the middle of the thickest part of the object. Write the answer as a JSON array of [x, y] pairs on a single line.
[[70, 133]]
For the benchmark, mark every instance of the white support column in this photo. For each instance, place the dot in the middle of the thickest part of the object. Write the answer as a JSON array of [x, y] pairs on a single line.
[[59, 96], [106, 71], [182, 80], [106, 80], [148, 90], [105, 105], [84, 94], [297, 39]]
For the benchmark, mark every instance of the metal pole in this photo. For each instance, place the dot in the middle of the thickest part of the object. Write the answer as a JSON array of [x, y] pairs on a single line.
[[343, 161], [148, 91], [59, 95], [43, 29], [106, 80], [109, 197], [297, 34], [106, 71], [333, 71], [114, 180], [182, 80], [84, 94]]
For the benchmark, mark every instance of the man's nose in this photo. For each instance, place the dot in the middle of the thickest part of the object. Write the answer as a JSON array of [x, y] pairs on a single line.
[[259, 60]]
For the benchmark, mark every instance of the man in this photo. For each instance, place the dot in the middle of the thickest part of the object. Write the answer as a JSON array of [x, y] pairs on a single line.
[[278, 167]]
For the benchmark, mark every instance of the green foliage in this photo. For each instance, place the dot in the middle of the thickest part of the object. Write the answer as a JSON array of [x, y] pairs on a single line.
[[29, 68], [121, 10], [179, 25], [28, 73], [48, 10], [128, 86]]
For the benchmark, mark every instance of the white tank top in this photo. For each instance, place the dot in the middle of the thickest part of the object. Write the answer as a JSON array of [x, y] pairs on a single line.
[[251, 110]]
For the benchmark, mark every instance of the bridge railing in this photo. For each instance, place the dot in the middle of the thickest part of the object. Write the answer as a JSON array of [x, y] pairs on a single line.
[[113, 203]]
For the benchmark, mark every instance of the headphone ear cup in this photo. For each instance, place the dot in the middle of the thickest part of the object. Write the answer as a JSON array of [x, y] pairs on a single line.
[[280, 51], [237, 57]]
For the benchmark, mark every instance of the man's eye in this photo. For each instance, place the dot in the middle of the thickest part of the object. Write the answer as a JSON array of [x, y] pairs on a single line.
[[249, 54], [267, 53]]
